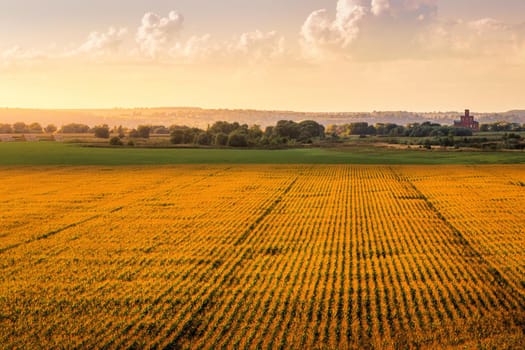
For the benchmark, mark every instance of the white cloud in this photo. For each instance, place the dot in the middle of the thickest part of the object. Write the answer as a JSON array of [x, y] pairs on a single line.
[[195, 49], [103, 43], [16, 56], [363, 27], [249, 47], [16, 52], [487, 25], [365, 30], [258, 45], [380, 6], [320, 32], [482, 37], [156, 32]]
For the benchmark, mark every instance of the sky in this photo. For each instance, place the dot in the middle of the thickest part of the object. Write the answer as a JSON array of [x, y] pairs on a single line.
[[303, 55]]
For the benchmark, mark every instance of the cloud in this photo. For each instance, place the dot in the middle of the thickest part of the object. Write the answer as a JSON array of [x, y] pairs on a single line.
[[16, 52], [103, 43], [195, 49], [258, 45], [365, 27], [519, 38], [18, 56], [320, 32], [380, 6], [359, 30], [155, 32], [471, 39], [249, 47]]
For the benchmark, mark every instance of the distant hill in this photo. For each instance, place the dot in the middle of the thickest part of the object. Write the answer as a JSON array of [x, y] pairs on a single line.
[[192, 116]]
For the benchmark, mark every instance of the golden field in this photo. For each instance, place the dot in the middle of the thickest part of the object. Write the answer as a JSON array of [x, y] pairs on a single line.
[[262, 257]]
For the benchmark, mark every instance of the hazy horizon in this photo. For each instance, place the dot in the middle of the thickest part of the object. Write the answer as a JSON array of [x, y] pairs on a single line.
[[298, 55], [218, 108]]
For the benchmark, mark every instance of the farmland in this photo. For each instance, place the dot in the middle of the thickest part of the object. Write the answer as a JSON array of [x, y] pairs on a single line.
[[56, 153], [262, 256]]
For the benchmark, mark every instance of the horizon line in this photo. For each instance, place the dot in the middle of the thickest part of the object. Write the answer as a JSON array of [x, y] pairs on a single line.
[[246, 109]]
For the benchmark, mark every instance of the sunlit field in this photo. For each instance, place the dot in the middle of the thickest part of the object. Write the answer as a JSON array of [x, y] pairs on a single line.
[[262, 256]]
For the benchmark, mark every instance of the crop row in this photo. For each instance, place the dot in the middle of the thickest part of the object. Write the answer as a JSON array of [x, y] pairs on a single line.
[[261, 257]]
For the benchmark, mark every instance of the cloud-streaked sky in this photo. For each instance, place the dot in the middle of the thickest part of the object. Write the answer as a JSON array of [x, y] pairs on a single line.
[[317, 55]]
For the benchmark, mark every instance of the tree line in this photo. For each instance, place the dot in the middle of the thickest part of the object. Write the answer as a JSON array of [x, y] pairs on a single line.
[[23, 128], [284, 132], [426, 129], [234, 134], [223, 133]]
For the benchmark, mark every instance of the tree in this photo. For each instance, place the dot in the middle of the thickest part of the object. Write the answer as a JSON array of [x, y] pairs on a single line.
[[309, 129], [74, 128], [268, 132], [177, 137], [224, 127], [35, 128], [184, 135], [397, 131], [160, 130], [51, 128], [203, 138], [287, 128], [254, 134], [359, 128], [120, 132], [461, 132], [5, 129], [446, 141], [144, 131], [20, 128], [115, 141], [134, 133], [101, 131], [237, 139], [221, 139]]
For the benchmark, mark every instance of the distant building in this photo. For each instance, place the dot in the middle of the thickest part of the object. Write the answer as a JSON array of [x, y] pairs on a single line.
[[467, 121]]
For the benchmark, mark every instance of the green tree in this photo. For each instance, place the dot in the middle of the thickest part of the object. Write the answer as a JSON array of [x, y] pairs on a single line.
[[224, 127], [101, 131], [35, 128], [309, 129], [51, 128], [287, 128], [203, 139], [144, 131], [359, 128], [5, 129], [20, 128], [254, 135], [177, 137], [74, 128], [134, 133], [268, 132], [115, 141], [160, 130], [185, 135], [221, 139], [237, 139]]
